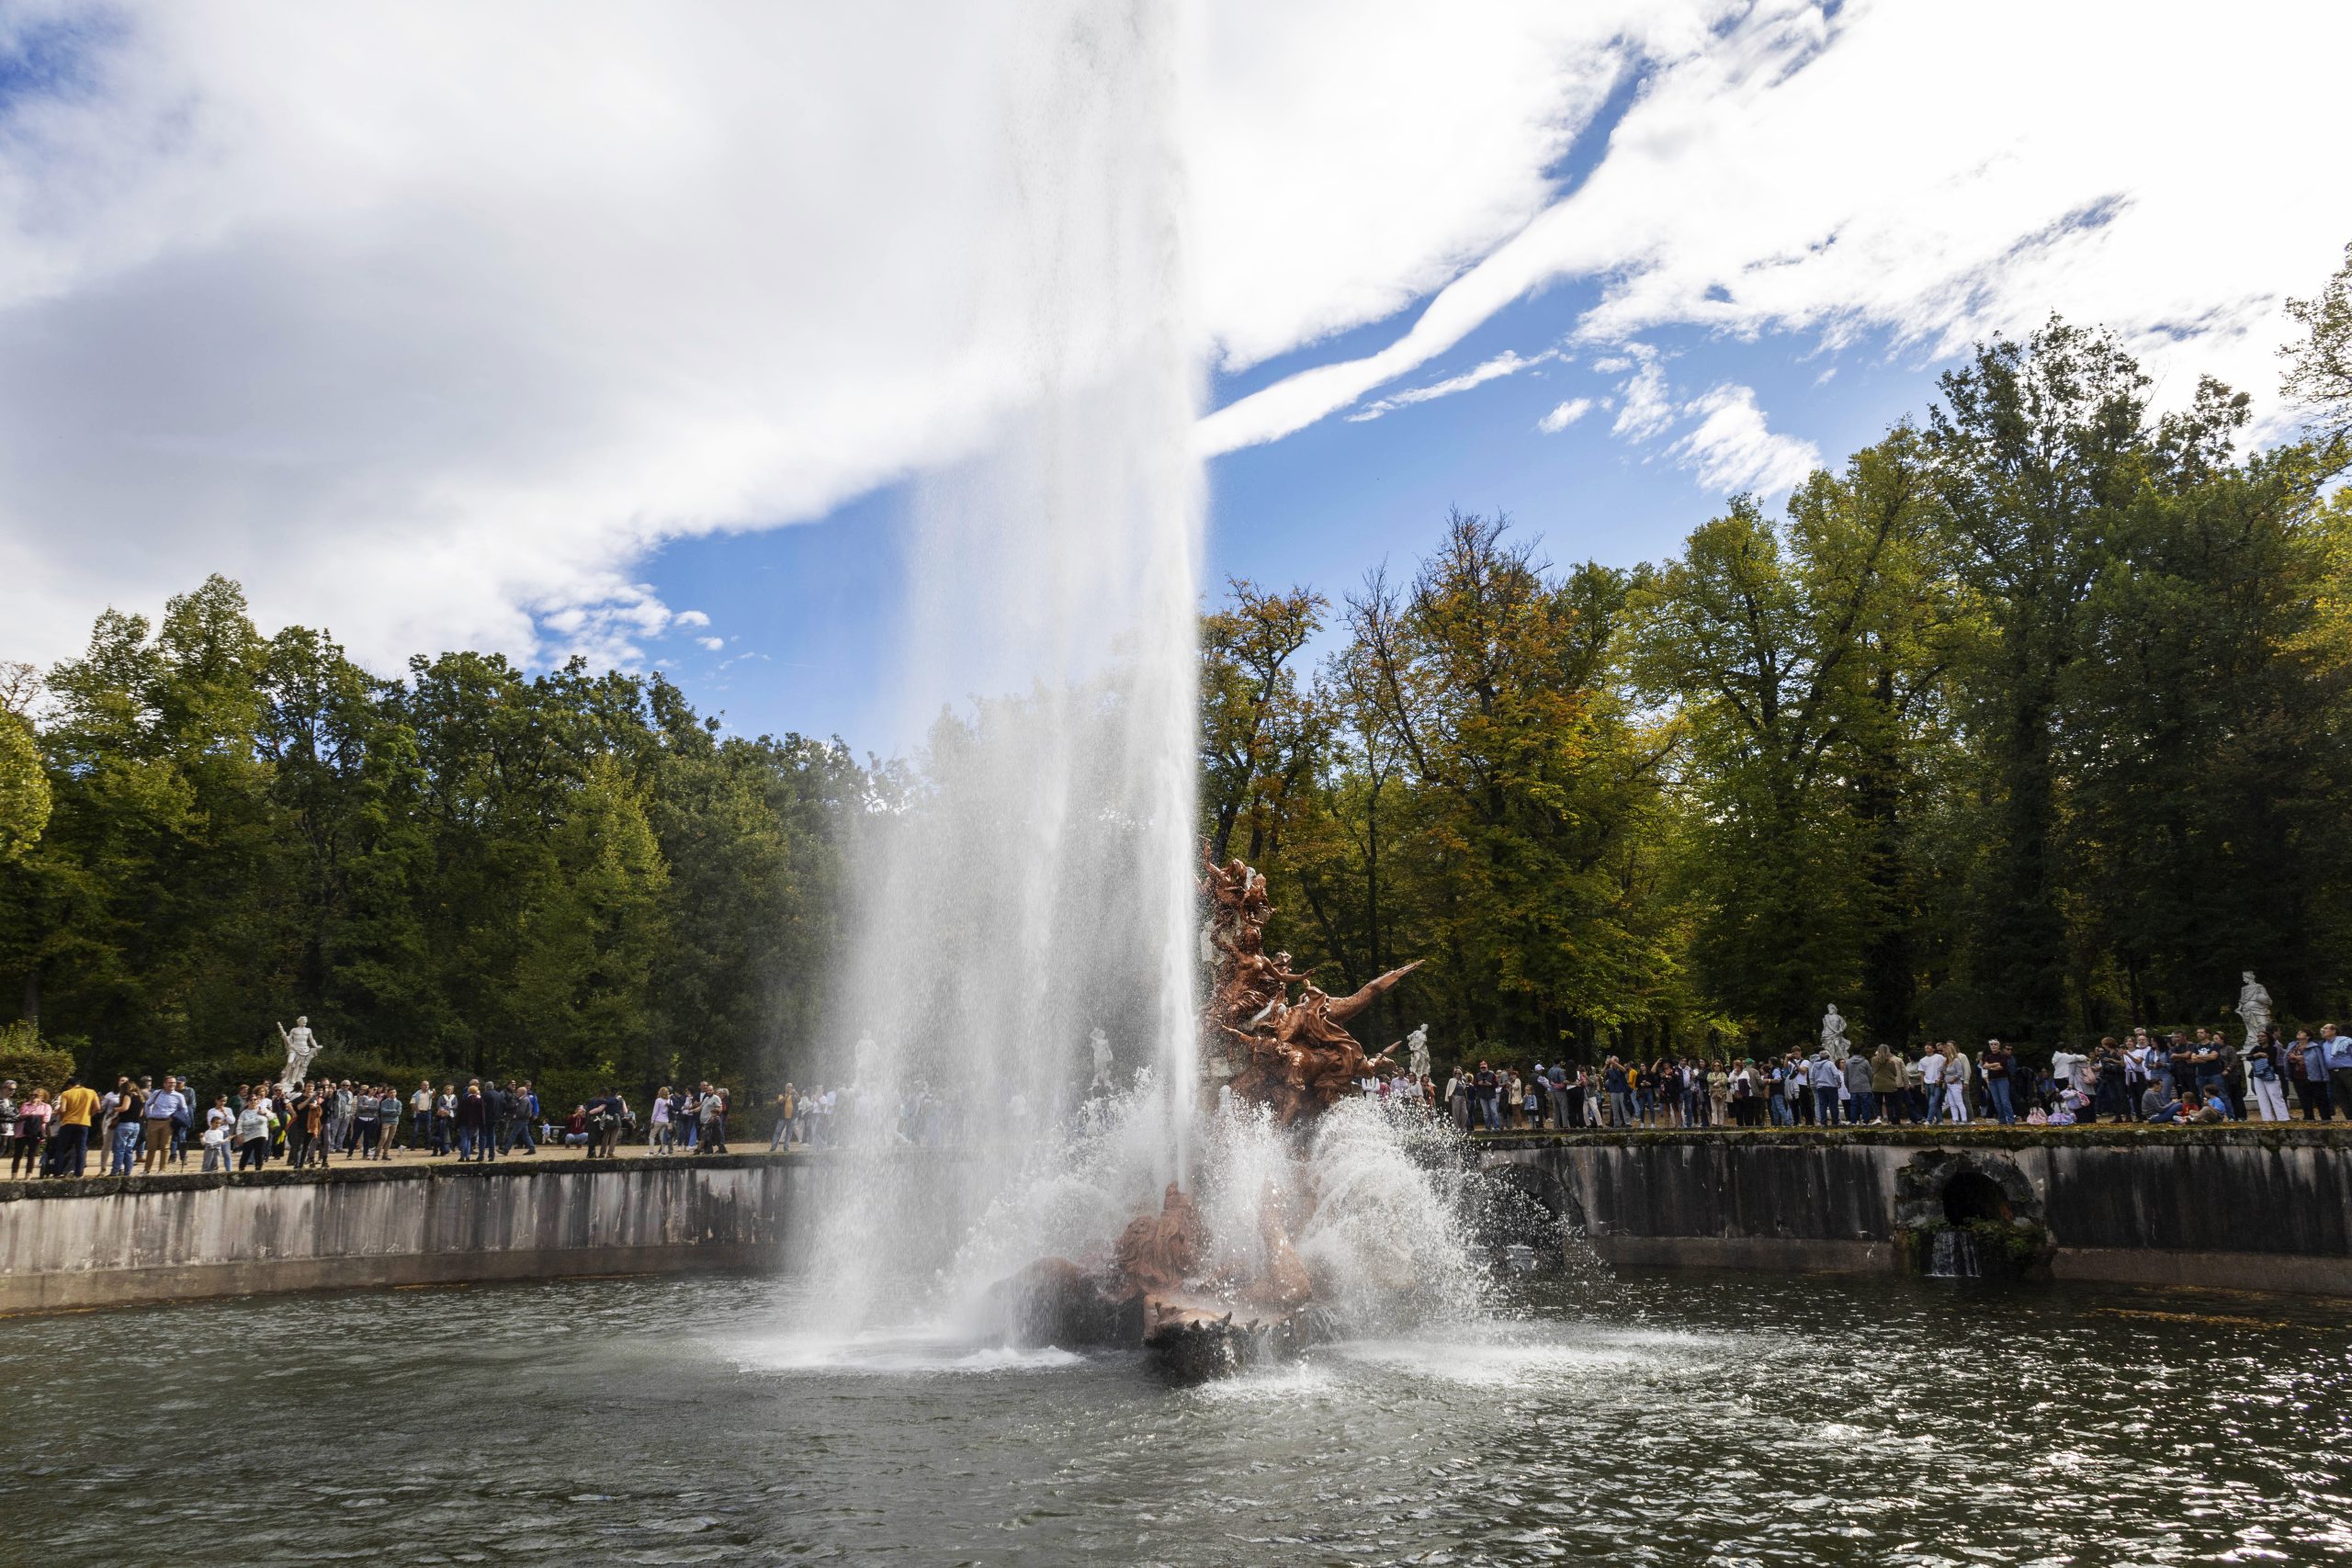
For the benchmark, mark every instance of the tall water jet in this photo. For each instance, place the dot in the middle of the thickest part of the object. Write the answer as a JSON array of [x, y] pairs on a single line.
[[1035, 882]]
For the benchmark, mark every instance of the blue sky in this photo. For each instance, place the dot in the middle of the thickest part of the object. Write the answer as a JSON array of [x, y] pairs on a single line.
[[615, 330], [809, 612]]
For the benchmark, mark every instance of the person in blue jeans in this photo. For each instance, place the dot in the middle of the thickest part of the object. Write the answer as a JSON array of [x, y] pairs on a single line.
[[126, 1147], [124, 1142], [1828, 1076], [2205, 1061], [2339, 1068], [1999, 1063], [522, 1115], [1490, 1110]]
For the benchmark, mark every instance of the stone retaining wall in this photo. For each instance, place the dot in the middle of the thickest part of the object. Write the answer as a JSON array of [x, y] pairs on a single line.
[[2267, 1208], [2245, 1207], [108, 1241]]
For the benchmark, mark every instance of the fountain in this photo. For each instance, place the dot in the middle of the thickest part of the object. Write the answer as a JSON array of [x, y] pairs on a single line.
[[1287, 1058], [1121, 1164], [1032, 883]]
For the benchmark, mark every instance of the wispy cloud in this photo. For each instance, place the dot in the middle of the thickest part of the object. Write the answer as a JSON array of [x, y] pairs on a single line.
[[1733, 449], [1507, 363], [1644, 410], [1735, 195], [1563, 415]]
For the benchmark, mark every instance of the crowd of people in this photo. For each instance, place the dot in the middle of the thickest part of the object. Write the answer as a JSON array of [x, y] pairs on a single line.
[[141, 1126], [2175, 1077], [145, 1125]]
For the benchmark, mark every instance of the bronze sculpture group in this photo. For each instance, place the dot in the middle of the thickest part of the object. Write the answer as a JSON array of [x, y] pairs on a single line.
[[1260, 1044]]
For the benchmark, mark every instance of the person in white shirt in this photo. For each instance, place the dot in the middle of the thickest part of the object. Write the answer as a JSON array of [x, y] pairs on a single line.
[[2062, 1064], [219, 1122], [1931, 1079]]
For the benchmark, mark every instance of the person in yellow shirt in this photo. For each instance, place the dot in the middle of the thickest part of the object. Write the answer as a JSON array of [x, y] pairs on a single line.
[[75, 1109]]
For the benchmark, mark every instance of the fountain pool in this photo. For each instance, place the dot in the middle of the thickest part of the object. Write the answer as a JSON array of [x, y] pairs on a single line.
[[1663, 1419]]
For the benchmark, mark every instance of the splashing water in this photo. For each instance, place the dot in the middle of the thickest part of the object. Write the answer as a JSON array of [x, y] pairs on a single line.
[[1037, 882]]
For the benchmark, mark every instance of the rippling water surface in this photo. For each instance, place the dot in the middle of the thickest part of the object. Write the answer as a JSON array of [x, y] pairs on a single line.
[[1649, 1419]]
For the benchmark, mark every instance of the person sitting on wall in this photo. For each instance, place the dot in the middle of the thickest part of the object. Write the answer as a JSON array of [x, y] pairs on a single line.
[[2156, 1108], [575, 1128]]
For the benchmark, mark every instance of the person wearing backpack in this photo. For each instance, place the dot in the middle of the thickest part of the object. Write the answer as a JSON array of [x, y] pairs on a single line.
[[2266, 1076], [714, 1120], [517, 1107]]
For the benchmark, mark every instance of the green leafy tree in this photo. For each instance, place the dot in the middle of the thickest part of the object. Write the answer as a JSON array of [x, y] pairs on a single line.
[[2319, 368], [1807, 664], [2039, 450], [1259, 733], [24, 789]]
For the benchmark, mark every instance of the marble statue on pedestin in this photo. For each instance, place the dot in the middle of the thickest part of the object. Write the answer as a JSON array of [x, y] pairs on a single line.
[[1099, 1044], [300, 1046], [2254, 1006], [1416, 1050], [1833, 1033], [866, 1064]]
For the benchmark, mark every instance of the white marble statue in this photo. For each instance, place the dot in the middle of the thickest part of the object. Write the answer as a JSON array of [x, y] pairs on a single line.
[[300, 1046], [1833, 1035], [1101, 1044], [2254, 1006], [1416, 1051]]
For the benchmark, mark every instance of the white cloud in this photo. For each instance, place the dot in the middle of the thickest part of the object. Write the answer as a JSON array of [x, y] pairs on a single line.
[[430, 320], [1646, 411], [712, 643], [1507, 363], [1563, 415], [1351, 155], [1732, 449], [1918, 172], [690, 618]]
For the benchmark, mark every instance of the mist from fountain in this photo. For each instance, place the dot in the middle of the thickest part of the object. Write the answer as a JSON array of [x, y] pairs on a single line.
[[1035, 880]]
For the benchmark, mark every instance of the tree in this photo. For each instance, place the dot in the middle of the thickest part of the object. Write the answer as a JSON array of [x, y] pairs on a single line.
[[1806, 663], [2206, 729], [24, 789], [1259, 732], [470, 869], [590, 937], [2319, 368], [2037, 451], [24, 786], [1533, 784]]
